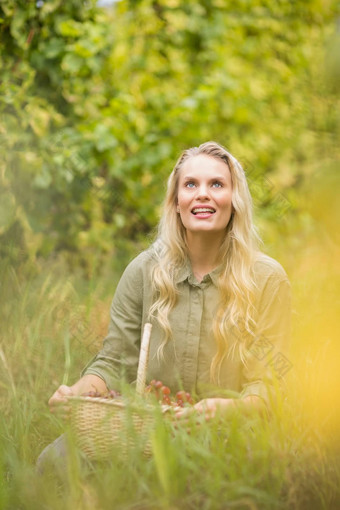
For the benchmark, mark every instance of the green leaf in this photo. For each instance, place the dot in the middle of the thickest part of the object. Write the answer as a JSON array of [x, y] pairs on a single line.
[[72, 63], [43, 179], [53, 47], [70, 28], [39, 118], [18, 30], [104, 139]]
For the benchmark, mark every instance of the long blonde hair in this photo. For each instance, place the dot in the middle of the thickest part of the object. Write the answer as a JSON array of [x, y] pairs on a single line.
[[234, 321]]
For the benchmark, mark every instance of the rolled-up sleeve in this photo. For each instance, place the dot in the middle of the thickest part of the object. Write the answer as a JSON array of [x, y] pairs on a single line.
[[118, 359], [267, 359]]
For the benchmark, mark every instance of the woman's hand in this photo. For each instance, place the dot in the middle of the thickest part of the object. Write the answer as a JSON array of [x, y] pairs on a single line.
[[208, 407], [58, 401]]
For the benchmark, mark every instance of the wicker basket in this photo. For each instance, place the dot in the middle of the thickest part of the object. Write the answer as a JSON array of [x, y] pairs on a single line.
[[102, 426]]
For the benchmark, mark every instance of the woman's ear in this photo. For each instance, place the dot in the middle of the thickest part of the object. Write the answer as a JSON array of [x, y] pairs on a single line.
[[177, 208]]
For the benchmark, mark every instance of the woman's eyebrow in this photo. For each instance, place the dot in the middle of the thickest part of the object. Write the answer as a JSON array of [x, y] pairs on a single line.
[[218, 178], [215, 178]]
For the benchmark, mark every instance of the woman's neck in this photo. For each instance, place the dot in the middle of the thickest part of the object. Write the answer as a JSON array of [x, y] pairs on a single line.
[[203, 252]]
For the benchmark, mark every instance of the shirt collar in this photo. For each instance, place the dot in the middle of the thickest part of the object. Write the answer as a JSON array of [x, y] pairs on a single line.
[[215, 274], [185, 272]]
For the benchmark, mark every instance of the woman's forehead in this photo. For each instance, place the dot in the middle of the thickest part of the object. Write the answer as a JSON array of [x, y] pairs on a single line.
[[204, 165]]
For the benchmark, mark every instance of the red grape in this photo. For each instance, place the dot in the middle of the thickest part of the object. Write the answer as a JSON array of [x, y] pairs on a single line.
[[165, 390], [113, 394], [92, 394], [166, 400], [163, 394], [183, 397]]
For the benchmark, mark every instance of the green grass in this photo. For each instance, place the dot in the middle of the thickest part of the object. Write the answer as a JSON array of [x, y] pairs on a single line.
[[52, 324]]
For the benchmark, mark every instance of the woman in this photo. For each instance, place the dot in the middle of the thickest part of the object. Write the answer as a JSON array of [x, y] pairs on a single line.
[[220, 308]]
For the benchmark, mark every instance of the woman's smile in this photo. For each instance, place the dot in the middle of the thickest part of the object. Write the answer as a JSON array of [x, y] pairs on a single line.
[[204, 199], [203, 212]]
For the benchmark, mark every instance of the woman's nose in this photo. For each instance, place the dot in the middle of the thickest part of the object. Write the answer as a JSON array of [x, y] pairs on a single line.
[[203, 191]]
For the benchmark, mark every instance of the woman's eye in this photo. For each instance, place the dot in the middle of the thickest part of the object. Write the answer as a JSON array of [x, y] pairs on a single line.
[[217, 184], [189, 184]]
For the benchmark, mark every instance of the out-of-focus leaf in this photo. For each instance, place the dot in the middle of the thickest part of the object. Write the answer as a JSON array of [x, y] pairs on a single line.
[[70, 28], [72, 63], [38, 118], [104, 139], [53, 48], [43, 179]]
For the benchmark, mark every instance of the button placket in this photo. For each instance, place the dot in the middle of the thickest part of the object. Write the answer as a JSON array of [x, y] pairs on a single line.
[[193, 337]]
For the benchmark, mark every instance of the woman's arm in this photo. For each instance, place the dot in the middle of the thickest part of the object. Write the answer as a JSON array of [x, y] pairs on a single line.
[[119, 356], [118, 359], [267, 359]]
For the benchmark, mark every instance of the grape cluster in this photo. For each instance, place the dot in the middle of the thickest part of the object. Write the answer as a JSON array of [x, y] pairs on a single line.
[[156, 388], [183, 397], [163, 394], [95, 394]]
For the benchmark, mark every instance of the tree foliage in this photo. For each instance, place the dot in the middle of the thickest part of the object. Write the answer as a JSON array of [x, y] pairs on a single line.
[[96, 105]]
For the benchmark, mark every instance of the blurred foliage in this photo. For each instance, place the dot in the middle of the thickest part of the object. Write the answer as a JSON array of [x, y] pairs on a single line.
[[96, 105]]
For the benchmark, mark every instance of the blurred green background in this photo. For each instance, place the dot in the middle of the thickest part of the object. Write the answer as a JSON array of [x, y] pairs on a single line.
[[97, 103]]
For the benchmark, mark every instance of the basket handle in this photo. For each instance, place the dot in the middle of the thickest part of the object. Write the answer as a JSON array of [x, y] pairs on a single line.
[[143, 359]]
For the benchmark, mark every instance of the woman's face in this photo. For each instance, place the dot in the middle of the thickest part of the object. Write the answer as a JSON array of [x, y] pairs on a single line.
[[204, 194]]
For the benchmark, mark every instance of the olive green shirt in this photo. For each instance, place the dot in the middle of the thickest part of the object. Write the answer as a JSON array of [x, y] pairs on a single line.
[[188, 355]]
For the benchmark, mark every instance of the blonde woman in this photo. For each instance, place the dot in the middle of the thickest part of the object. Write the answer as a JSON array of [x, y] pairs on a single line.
[[220, 308]]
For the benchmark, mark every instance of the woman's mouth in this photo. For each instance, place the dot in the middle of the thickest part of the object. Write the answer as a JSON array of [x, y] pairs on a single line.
[[203, 212]]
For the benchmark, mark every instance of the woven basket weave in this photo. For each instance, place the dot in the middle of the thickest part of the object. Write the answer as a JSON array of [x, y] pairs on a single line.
[[102, 425]]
